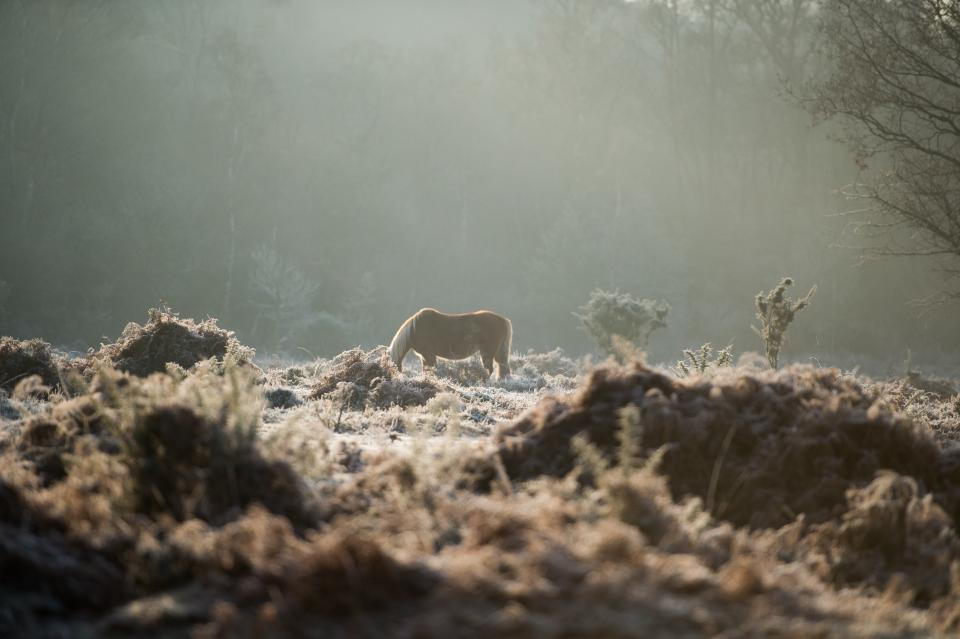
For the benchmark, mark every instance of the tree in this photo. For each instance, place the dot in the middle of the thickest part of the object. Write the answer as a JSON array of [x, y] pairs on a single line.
[[894, 85]]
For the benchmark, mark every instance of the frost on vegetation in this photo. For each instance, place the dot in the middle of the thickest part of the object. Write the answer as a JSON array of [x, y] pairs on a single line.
[[20, 359], [775, 314], [550, 364], [8, 409], [740, 503], [877, 500], [611, 314], [117, 493], [939, 412], [758, 448], [935, 387], [357, 378], [464, 372], [167, 339], [699, 361], [529, 373]]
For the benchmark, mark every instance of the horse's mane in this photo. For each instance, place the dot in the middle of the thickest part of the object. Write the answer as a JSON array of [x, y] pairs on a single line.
[[400, 343]]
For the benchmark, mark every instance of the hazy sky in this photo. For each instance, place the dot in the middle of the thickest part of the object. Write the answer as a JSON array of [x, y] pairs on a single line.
[[409, 23]]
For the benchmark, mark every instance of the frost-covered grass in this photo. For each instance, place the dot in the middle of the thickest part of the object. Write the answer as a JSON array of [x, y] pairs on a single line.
[[466, 406]]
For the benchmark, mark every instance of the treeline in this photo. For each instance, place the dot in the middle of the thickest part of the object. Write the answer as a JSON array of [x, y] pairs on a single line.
[[312, 186]]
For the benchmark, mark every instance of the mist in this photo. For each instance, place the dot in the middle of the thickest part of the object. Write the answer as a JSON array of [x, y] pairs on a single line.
[[312, 173]]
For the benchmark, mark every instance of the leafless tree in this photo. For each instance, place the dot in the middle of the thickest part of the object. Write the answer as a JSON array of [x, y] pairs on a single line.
[[894, 85]]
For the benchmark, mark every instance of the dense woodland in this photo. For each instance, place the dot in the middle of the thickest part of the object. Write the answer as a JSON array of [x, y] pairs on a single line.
[[311, 173]]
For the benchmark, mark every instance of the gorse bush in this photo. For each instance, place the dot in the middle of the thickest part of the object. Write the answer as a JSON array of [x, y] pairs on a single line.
[[702, 359], [611, 314], [776, 313]]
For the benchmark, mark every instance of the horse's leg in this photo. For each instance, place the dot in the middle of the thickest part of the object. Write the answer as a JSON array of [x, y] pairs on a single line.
[[487, 359], [429, 361], [502, 357]]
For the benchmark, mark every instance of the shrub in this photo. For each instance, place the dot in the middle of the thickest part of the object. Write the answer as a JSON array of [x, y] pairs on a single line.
[[609, 314], [776, 313], [702, 359]]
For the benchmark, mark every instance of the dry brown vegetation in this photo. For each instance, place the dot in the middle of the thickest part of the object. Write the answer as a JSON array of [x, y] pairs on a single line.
[[356, 378], [168, 339], [21, 359], [801, 502]]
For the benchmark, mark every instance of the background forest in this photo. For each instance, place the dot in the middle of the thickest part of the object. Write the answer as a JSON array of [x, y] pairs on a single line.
[[311, 173]]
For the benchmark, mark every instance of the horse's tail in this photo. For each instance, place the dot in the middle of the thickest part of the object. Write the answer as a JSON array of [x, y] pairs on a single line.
[[502, 356], [400, 343]]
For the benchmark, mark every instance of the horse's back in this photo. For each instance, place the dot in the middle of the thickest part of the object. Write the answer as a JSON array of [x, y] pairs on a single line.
[[458, 335], [482, 315]]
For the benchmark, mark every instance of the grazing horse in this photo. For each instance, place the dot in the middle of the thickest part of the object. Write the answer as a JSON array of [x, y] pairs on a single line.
[[432, 334]]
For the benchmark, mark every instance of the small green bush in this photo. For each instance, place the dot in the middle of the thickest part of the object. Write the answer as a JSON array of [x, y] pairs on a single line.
[[611, 314]]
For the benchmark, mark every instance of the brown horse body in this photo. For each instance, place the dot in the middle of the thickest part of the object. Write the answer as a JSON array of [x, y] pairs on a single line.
[[432, 334]]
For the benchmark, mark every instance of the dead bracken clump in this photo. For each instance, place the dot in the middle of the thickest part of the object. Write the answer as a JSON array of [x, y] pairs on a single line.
[[939, 411], [940, 388], [465, 372], [186, 465], [759, 450], [20, 359], [46, 440], [356, 378], [891, 538], [167, 338], [190, 448], [402, 392], [365, 370], [551, 363]]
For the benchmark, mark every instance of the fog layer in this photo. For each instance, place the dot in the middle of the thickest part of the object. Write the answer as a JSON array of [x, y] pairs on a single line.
[[312, 173]]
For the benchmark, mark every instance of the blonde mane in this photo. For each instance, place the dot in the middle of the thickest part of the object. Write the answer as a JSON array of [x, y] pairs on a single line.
[[400, 344]]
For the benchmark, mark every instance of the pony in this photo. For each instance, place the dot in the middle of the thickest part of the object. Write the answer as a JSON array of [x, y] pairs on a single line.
[[432, 334]]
